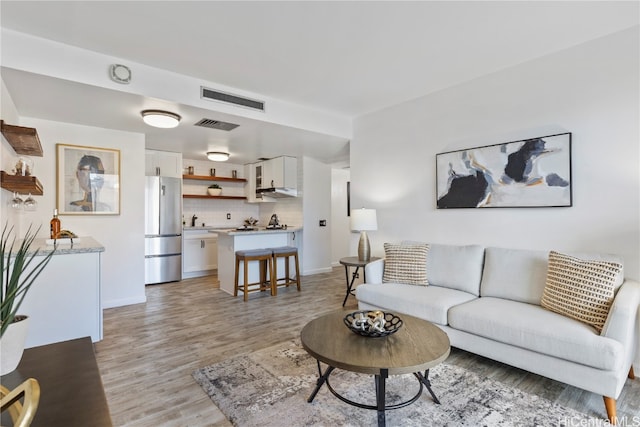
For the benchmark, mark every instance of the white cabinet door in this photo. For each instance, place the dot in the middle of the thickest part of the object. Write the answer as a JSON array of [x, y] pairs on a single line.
[[258, 175], [210, 248], [163, 163], [280, 172], [200, 254]]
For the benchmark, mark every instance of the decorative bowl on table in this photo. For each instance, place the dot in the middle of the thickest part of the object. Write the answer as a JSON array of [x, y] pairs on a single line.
[[372, 323]]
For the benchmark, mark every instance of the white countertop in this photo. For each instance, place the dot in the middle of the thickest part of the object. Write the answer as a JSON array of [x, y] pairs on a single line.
[[258, 230], [83, 244]]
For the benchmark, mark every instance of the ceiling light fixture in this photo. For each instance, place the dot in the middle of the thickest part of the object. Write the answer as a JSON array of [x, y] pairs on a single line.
[[217, 156], [160, 119]]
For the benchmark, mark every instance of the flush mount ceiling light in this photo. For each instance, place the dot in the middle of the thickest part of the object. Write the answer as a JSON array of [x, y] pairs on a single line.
[[217, 156], [160, 119]]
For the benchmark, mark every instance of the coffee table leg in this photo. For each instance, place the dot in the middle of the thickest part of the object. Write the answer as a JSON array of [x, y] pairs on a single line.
[[425, 380], [380, 396], [321, 380]]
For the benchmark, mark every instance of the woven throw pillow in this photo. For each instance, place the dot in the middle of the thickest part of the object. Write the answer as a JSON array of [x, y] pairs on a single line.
[[405, 264], [582, 290]]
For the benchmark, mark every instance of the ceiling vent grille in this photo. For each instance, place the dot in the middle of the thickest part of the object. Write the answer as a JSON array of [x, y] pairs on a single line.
[[228, 98], [216, 124]]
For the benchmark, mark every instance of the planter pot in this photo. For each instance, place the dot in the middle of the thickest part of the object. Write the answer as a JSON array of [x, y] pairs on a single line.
[[214, 191], [12, 344]]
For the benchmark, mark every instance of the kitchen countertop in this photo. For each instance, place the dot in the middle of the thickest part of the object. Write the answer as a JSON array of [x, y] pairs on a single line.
[[258, 230], [80, 245]]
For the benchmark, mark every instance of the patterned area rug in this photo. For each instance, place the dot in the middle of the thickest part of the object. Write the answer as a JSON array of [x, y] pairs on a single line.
[[270, 387]]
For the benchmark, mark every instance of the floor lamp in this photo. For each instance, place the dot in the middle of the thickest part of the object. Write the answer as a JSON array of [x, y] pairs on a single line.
[[364, 220]]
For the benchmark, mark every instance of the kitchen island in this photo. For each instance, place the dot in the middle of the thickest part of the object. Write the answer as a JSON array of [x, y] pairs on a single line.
[[232, 240], [64, 302]]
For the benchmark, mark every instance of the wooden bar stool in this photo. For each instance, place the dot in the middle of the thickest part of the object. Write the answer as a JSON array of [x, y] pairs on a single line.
[[265, 259], [285, 252]]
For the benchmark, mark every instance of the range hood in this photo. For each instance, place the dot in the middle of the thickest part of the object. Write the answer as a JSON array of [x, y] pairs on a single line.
[[277, 193]]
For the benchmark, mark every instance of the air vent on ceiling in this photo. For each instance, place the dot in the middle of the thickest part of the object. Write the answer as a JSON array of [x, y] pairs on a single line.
[[216, 124], [215, 95]]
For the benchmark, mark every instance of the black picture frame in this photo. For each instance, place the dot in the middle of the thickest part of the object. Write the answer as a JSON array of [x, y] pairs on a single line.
[[534, 172], [348, 198]]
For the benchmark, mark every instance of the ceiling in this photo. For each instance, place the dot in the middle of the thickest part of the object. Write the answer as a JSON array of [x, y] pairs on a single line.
[[341, 58]]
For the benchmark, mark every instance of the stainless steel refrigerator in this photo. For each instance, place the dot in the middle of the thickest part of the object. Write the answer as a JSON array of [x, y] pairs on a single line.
[[163, 229]]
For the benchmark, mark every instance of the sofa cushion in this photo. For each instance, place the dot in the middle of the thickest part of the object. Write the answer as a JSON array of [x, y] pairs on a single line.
[[405, 264], [455, 267], [535, 328], [514, 274], [580, 289], [426, 302]]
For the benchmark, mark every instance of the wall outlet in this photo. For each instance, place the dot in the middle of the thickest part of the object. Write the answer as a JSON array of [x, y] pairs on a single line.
[[323, 223], [228, 216]]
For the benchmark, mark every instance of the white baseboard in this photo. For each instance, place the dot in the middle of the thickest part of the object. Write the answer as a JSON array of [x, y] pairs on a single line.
[[124, 301], [316, 271]]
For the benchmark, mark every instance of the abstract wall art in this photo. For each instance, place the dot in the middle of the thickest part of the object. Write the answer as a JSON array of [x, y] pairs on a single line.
[[534, 172]]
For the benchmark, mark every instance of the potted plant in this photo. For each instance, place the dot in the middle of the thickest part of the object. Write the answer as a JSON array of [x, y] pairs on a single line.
[[19, 271], [214, 190]]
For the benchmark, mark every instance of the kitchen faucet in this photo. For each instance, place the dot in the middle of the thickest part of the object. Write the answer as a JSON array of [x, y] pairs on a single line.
[[193, 220]]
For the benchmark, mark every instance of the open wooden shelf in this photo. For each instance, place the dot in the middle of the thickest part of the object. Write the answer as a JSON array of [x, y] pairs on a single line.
[[213, 178], [24, 140], [21, 184], [205, 196]]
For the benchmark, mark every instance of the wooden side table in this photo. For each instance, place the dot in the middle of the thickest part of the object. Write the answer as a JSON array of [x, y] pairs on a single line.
[[71, 392], [354, 261]]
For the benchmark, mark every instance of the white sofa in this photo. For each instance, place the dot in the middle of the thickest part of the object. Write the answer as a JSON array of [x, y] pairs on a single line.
[[488, 302]]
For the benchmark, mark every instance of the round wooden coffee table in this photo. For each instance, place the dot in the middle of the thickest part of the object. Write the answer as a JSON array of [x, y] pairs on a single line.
[[418, 346]]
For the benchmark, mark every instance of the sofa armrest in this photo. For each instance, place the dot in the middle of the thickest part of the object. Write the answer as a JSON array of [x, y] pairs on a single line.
[[623, 319], [374, 271]]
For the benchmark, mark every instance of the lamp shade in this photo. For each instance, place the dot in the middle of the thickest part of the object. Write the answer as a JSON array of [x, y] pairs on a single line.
[[218, 156], [160, 119], [364, 220]]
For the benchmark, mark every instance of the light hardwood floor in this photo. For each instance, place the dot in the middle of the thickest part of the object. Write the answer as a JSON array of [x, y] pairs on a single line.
[[149, 350]]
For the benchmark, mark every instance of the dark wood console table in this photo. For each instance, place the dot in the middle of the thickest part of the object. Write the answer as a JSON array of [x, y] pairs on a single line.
[[71, 392]]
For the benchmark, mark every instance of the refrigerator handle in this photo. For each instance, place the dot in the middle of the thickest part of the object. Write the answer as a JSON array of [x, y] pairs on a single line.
[[162, 189]]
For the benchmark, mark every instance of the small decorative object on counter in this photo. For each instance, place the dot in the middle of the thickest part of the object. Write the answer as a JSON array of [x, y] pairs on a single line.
[[234, 173], [190, 170], [251, 221], [373, 324], [212, 172], [55, 224], [214, 190]]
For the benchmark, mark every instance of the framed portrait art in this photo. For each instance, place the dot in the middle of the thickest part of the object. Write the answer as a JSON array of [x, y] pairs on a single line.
[[88, 180], [534, 172]]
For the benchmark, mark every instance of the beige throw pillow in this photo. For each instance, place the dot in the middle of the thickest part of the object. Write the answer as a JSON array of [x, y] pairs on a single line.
[[405, 264], [582, 290]]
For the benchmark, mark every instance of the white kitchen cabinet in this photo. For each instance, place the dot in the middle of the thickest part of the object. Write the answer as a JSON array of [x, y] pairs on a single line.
[[199, 254], [163, 163], [279, 172], [250, 188]]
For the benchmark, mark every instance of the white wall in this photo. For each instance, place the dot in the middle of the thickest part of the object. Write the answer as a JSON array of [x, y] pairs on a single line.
[[122, 262], [316, 202], [8, 156], [590, 90], [340, 227]]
